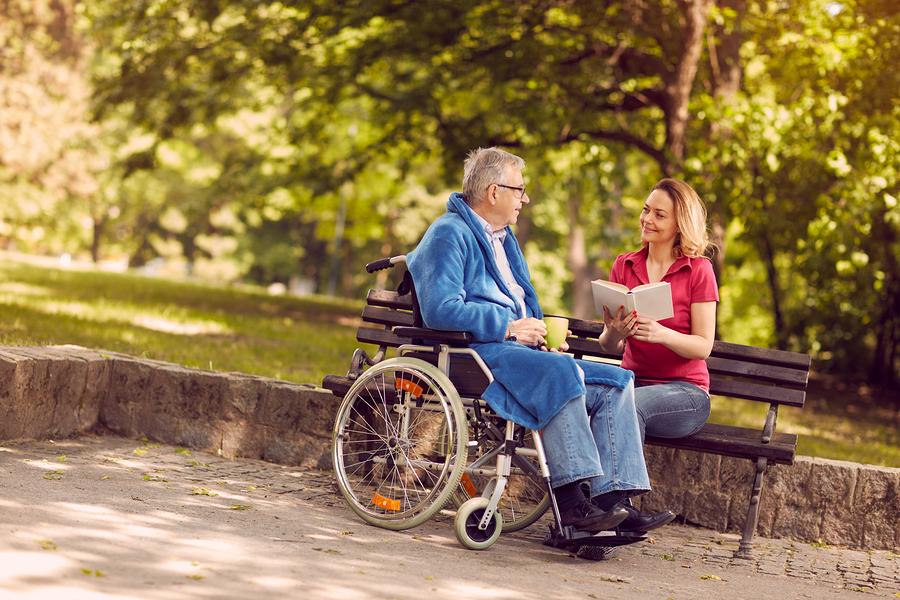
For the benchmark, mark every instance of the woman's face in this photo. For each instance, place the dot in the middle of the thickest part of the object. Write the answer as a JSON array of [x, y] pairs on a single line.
[[658, 219]]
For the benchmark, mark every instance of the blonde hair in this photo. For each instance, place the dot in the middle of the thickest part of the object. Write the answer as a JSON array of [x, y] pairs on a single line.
[[692, 239], [483, 167]]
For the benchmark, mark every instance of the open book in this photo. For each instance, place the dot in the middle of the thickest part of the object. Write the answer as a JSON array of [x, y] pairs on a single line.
[[651, 300]]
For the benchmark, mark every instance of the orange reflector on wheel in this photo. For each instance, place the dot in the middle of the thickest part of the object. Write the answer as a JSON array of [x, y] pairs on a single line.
[[407, 385], [467, 484], [386, 503]]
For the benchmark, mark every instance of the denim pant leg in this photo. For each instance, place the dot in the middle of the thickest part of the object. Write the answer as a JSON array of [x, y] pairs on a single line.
[[618, 439], [569, 445], [671, 410]]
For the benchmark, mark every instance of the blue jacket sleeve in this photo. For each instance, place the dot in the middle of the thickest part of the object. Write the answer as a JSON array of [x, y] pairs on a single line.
[[438, 267]]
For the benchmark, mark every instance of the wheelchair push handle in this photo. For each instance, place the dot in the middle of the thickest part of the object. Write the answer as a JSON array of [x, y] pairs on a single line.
[[385, 263]]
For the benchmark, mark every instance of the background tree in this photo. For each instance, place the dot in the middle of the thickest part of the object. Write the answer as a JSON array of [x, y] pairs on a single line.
[[294, 143]]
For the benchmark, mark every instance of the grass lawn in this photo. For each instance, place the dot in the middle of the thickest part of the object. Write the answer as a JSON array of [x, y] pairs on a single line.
[[302, 339]]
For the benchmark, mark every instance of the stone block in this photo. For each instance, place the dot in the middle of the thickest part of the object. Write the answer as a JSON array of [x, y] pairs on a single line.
[[241, 439], [780, 500], [242, 394], [736, 476], [10, 425], [182, 406], [877, 507], [34, 403], [281, 407], [799, 505], [832, 488], [705, 507], [129, 385], [98, 372]]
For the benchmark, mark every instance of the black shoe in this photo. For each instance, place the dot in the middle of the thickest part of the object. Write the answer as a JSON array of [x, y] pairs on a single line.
[[638, 522], [587, 517]]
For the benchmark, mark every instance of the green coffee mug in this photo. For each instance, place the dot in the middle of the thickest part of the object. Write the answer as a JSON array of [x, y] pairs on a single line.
[[557, 328]]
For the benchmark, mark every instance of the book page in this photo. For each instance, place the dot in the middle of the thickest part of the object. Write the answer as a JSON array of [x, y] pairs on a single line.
[[611, 294], [654, 300]]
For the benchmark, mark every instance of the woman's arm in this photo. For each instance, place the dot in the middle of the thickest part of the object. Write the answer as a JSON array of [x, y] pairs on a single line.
[[697, 344]]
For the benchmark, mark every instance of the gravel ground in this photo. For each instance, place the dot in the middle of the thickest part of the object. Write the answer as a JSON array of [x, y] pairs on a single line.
[[107, 517]]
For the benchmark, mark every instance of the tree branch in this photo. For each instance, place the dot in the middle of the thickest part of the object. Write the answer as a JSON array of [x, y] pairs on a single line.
[[623, 137]]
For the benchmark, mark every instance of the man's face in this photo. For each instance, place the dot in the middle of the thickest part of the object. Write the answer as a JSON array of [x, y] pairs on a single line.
[[505, 202]]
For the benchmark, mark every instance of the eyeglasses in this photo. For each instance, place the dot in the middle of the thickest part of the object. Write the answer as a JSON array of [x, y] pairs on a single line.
[[521, 189]]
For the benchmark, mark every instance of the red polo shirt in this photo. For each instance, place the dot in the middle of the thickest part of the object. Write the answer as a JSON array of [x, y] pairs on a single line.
[[692, 280]]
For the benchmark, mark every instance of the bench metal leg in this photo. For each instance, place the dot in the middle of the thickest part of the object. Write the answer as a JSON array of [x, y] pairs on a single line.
[[746, 544]]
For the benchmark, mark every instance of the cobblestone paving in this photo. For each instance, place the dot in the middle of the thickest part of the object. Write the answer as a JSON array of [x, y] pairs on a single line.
[[700, 550]]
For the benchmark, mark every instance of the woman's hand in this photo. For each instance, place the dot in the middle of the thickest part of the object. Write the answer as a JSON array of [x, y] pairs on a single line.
[[621, 325], [528, 331], [648, 330]]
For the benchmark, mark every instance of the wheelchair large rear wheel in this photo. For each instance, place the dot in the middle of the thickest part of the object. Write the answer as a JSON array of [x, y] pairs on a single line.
[[400, 443]]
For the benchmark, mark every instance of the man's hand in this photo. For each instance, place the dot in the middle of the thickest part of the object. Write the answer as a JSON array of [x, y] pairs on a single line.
[[528, 331], [562, 347]]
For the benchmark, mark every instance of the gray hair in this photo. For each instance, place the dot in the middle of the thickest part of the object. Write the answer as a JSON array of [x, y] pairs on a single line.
[[483, 167]]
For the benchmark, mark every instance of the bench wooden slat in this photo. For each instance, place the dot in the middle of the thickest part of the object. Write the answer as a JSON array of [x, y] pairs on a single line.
[[387, 316], [389, 299], [379, 337], [765, 356], [735, 441], [722, 386], [339, 386], [589, 347], [780, 375], [589, 329]]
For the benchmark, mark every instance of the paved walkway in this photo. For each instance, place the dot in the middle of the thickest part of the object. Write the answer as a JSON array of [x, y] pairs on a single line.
[[105, 517]]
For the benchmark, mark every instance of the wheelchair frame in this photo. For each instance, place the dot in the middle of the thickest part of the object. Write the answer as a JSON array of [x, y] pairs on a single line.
[[422, 388]]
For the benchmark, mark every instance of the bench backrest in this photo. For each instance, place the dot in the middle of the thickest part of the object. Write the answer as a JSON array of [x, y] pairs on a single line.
[[764, 375]]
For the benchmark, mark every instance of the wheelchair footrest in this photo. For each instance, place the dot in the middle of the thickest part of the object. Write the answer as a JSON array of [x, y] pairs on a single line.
[[581, 542]]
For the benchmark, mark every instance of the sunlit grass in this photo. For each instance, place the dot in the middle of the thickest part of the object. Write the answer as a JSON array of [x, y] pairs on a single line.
[[302, 339], [864, 439], [201, 326]]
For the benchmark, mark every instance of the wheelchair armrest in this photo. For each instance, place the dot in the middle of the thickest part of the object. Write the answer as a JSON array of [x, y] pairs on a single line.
[[453, 338]]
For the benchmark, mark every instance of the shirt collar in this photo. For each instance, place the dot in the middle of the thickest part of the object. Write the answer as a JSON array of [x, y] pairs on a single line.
[[489, 229], [640, 258]]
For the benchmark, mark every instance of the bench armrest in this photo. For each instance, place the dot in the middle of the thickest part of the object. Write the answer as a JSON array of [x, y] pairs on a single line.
[[460, 338]]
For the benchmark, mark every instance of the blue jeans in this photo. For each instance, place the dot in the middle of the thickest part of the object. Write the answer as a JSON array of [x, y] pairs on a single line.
[[670, 410], [599, 428]]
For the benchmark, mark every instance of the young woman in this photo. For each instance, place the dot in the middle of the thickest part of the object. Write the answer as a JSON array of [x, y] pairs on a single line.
[[668, 357]]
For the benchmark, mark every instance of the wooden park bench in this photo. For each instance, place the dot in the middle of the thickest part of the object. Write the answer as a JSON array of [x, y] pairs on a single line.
[[775, 377]]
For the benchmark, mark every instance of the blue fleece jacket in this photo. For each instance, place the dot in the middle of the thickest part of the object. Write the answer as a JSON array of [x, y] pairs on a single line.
[[460, 288]]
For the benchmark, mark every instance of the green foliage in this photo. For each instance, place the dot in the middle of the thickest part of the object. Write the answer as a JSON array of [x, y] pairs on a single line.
[[293, 143]]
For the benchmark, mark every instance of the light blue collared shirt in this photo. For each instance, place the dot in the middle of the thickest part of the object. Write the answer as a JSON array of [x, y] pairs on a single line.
[[497, 238]]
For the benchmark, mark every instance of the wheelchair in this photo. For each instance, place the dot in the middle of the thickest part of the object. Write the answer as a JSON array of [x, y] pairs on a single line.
[[407, 442]]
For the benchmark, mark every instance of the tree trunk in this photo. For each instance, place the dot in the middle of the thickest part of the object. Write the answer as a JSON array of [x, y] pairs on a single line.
[[387, 249], [99, 224], [724, 50], [768, 256], [582, 300], [679, 85], [883, 369]]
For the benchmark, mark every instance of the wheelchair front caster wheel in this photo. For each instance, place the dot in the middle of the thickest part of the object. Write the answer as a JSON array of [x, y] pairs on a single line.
[[466, 525]]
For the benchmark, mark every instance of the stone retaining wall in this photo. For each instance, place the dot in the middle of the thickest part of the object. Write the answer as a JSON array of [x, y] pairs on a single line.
[[62, 391]]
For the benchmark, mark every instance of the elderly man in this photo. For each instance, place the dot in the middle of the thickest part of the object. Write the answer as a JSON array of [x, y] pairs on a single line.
[[472, 276]]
